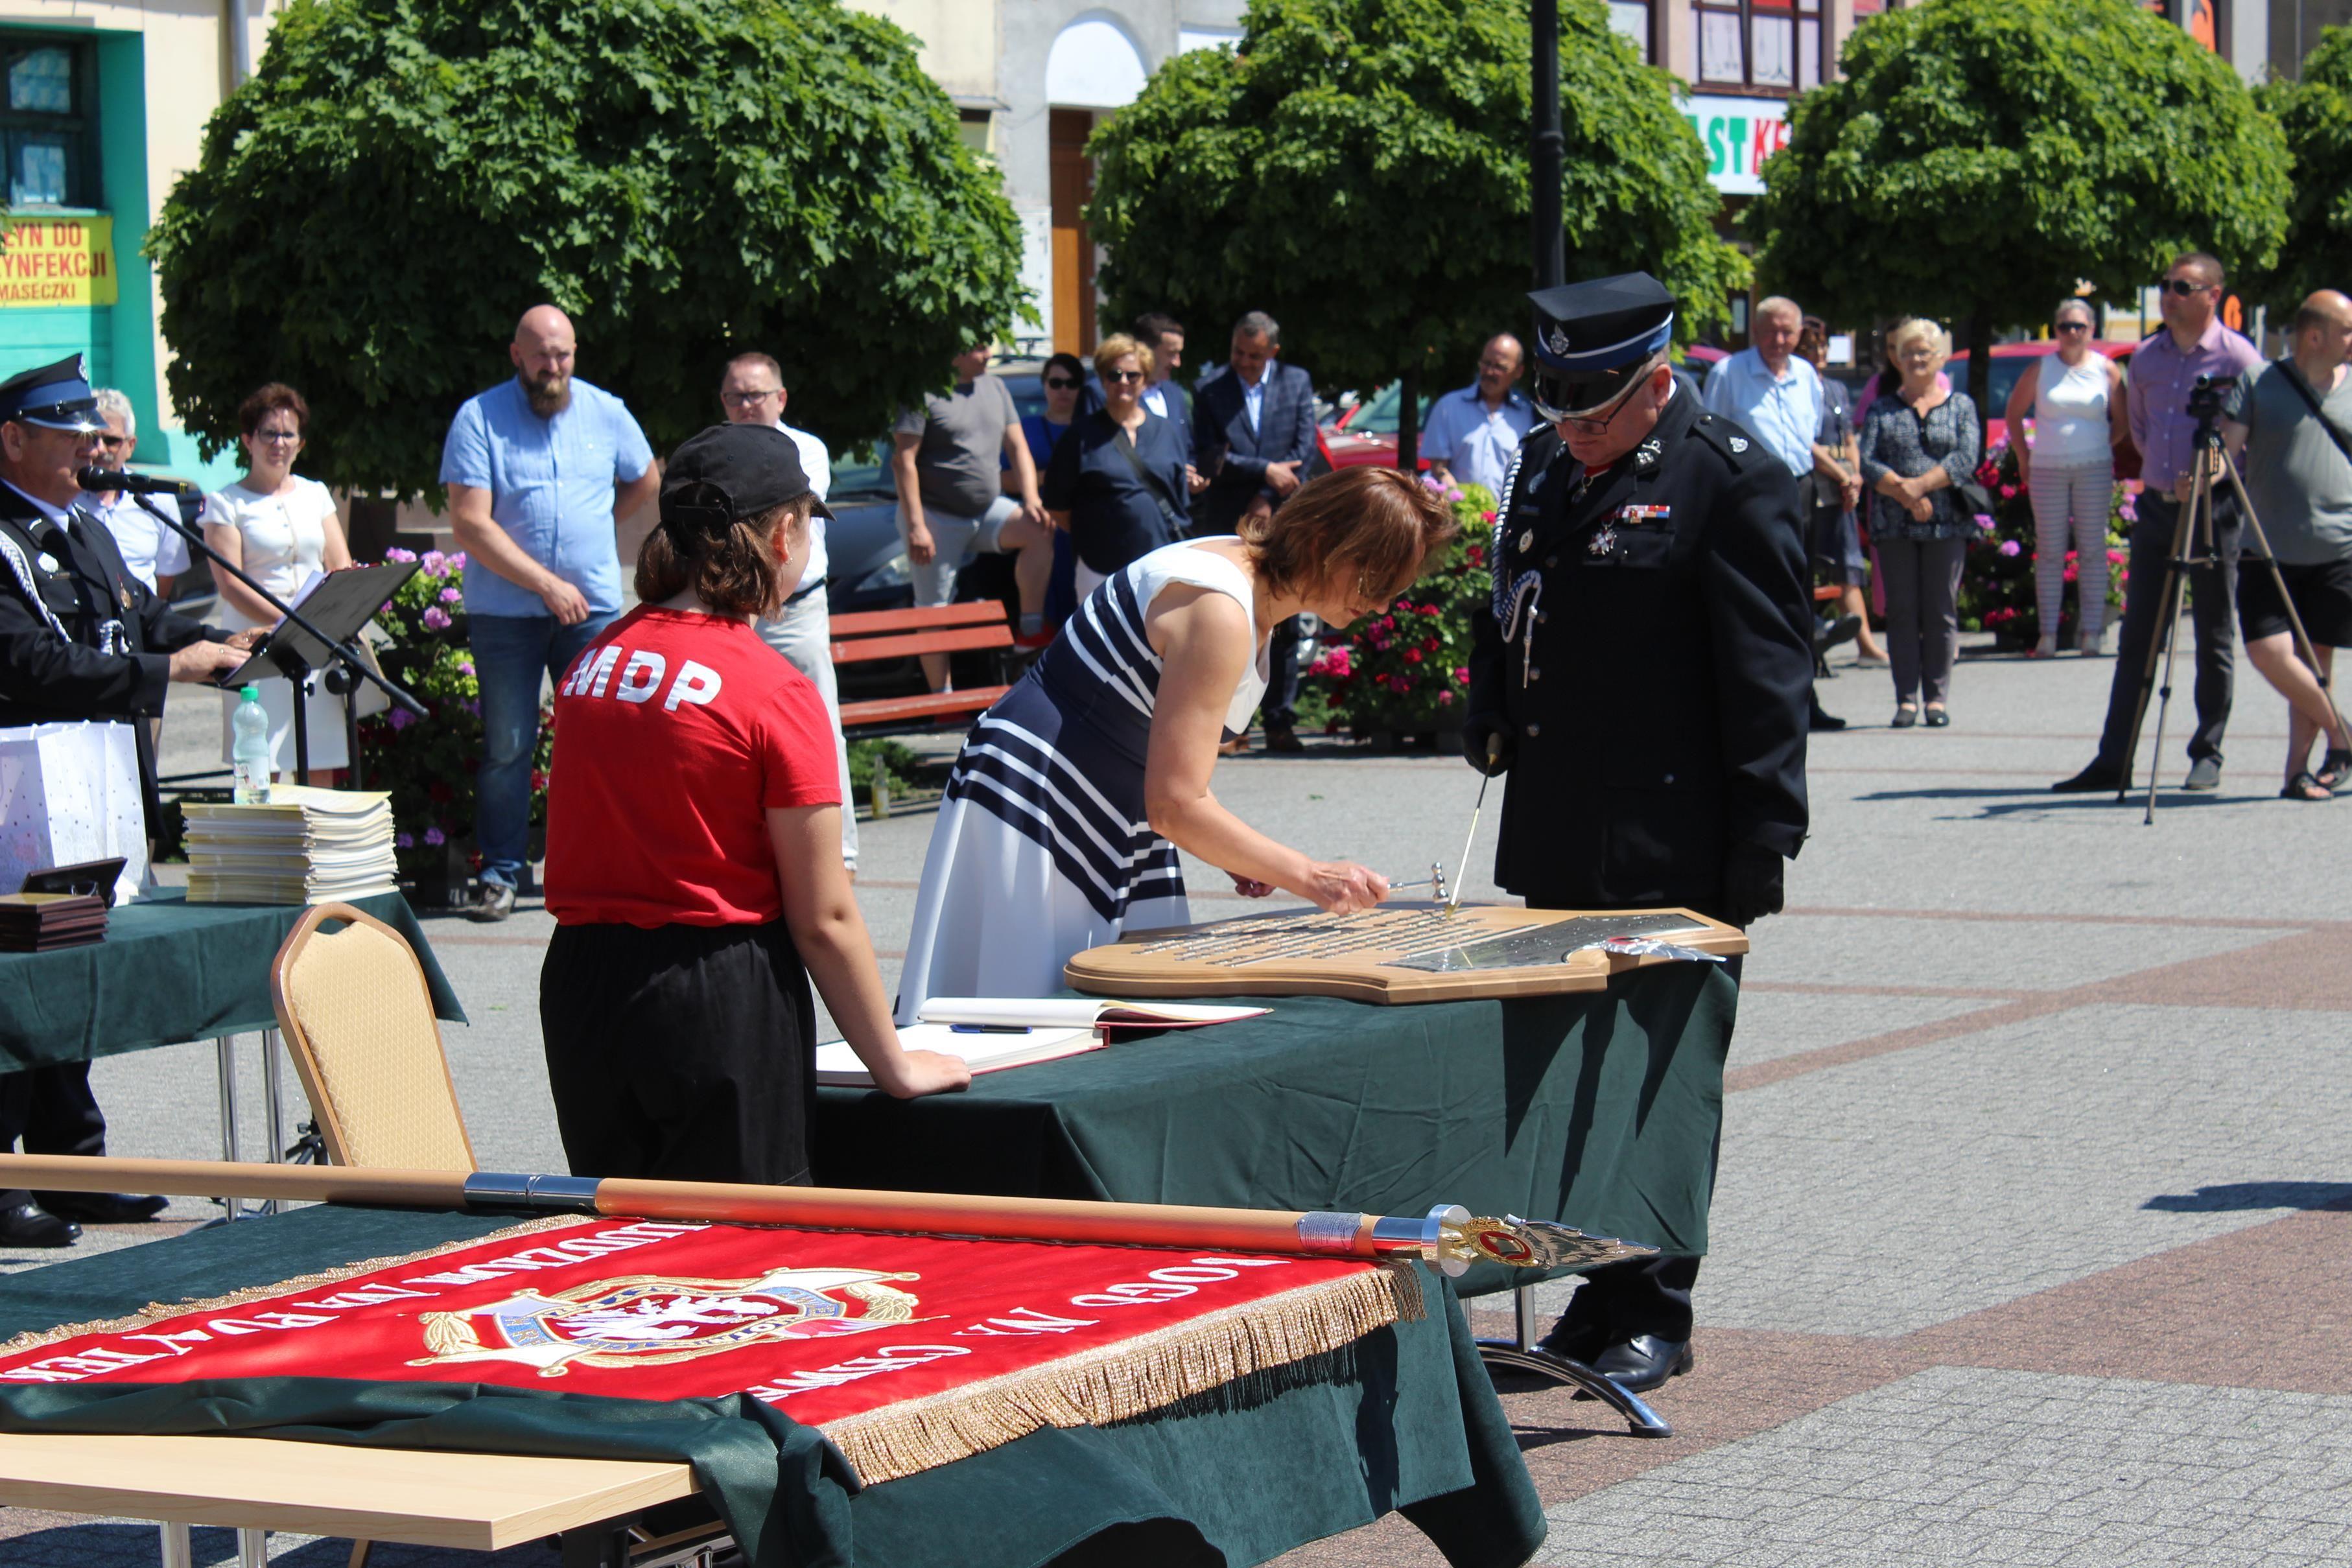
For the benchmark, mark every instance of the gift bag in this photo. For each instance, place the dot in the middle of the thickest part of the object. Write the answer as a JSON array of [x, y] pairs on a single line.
[[69, 793]]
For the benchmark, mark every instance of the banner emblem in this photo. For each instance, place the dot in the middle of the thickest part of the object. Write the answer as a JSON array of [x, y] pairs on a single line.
[[650, 1319]]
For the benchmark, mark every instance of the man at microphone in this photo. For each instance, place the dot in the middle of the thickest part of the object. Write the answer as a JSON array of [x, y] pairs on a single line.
[[81, 639]]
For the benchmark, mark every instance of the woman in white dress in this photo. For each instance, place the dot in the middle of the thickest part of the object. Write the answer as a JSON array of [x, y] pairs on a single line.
[[1066, 809], [2076, 397], [280, 529]]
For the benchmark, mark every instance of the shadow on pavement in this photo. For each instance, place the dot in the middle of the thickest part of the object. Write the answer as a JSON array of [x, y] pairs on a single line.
[[2230, 1197]]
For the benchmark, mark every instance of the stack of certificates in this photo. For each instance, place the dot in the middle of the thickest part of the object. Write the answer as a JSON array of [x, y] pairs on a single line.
[[305, 846]]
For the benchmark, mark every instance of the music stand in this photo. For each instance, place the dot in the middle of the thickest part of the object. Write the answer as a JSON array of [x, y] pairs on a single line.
[[314, 636]]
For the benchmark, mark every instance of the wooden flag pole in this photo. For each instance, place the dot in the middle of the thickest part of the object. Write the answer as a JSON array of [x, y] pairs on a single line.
[[1448, 1237]]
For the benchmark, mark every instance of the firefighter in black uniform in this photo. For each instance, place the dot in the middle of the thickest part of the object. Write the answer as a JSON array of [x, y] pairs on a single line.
[[1643, 673], [80, 639]]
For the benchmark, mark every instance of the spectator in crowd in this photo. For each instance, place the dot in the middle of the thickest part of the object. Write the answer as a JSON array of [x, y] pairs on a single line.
[[2075, 398], [1917, 442], [542, 472], [1833, 523], [1120, 485], [1774, 394], [280, 530], [2292, 423], [1253, 437], [2164, 371], [952, 504], [154, 553], [1064, 381], [752, 391], [1165, 396], [1474, 432]]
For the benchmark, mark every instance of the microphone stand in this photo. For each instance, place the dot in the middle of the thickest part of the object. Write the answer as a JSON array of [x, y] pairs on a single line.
[[348, 669]]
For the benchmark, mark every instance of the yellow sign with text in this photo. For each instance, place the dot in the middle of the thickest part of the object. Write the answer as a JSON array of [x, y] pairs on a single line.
[[57, 261]]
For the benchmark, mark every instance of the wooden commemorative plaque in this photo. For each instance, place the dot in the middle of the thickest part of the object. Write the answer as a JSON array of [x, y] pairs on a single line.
[[1399, 951]]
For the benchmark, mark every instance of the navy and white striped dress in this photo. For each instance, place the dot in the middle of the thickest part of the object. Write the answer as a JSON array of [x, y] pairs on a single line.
[[1041, 850]]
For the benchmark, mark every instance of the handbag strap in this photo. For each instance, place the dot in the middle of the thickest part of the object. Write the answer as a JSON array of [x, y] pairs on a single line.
[[2284, 364], [1150, 481]]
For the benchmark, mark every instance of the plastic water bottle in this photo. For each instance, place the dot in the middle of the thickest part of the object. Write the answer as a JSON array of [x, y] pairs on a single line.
[[249, 752]]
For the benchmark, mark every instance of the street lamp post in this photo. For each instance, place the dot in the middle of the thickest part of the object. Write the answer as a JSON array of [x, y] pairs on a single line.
[[1544, 144]]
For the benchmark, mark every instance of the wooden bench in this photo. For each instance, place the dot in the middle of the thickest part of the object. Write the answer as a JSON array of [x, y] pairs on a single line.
[[878, 635]]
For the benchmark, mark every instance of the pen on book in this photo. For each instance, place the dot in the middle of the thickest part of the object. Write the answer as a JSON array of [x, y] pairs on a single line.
[[988, 1029]]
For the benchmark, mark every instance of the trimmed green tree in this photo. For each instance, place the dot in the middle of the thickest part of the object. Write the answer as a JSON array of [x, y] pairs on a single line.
[[2314, 113], [689, 179], [1359, 169], [1980, 159]]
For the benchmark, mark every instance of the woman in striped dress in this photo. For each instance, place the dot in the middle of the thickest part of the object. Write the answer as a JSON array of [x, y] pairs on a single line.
[[1067, 806]]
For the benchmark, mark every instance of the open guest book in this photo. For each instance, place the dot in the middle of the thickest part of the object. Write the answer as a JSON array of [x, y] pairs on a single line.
[[991, 1033]]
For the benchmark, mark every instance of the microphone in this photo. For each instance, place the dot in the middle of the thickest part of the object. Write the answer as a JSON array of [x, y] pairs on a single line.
[[97, 478]]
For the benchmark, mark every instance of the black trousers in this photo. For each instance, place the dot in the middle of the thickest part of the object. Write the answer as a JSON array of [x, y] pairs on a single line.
[[680, 1051], [53, 1110], [2213, 591], [1279, 710]]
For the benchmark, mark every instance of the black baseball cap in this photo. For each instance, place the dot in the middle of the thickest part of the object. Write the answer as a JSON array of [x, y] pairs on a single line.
[[732, 471]]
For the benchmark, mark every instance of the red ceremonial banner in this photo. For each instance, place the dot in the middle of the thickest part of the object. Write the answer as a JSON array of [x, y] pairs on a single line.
[[909, 1350]]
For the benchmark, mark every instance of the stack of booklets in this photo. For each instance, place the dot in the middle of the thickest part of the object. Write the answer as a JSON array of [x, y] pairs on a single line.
[[42, 921], [305, 846], [993, 1033]]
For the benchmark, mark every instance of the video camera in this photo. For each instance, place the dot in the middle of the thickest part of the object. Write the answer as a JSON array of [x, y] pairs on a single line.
[[2206, 398]]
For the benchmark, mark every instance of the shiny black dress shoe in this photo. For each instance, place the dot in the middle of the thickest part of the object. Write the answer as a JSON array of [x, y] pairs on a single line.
[[2093, 780], [102, 1207], [1644, 1362], [29, 1225]]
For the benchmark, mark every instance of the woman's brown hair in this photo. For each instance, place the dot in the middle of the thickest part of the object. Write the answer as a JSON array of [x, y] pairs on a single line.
[[270, 399], [1365, 526], [733, 572]]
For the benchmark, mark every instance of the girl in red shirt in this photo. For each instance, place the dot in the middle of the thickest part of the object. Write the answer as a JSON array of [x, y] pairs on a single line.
[[694, 853]]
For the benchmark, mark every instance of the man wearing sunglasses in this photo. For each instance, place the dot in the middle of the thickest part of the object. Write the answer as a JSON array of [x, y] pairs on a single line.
[[156, 555], [1643, 673], [2164, 371]]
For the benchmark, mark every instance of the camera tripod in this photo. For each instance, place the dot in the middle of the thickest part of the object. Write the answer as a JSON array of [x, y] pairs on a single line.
[[2194, 529]]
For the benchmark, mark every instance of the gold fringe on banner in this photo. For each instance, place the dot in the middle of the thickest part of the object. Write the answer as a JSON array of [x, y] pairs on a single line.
[[1130, 1378], [154, 1313]]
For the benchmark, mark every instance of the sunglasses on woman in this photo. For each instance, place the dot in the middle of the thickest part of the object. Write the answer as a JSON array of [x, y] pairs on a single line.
[[2073, 326], [1059, 383], [1123, 377]]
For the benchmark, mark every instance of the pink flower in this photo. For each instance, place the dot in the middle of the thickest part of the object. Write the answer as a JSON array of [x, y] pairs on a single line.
[[2010, 547], [401, 718], [1483, 517], [2007, 491], [1413, 655], [1462, 674], [1446, 699], [436, 617], [403, 841], [456, 559], [436, 563], [465, 667], [436, 836], [396, 553], [1380, 644], [1984, 522], [451, 596], [1340, 664]]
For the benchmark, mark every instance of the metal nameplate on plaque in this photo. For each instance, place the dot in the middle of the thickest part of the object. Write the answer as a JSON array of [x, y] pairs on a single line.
[[1537, 946]]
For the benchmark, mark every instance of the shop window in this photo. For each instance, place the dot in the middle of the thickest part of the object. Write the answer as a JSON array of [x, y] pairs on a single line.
[[48, 123], [1630, 19], [1765, 45]]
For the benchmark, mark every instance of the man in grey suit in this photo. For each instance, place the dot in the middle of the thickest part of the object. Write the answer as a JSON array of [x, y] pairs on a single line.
[[1253, 434]]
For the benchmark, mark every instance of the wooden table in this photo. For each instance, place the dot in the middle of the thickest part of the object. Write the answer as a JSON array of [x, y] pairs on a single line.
[[480, 1502]]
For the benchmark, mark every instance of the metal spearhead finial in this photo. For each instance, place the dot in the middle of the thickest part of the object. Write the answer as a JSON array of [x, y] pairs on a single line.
[[1534, 1244]]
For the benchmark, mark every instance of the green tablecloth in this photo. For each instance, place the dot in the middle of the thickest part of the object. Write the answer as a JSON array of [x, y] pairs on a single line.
[[1406, 1422], [169, 970], [1599, 1110]]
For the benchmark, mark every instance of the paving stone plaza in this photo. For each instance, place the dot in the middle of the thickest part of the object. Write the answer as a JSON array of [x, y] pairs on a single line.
[[2034, 1227]]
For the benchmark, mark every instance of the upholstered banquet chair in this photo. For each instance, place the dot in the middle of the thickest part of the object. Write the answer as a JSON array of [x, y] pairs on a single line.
[[357, 1019]]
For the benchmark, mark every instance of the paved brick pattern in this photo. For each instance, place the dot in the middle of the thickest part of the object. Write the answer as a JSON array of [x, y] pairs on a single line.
[[1953, 1466]]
